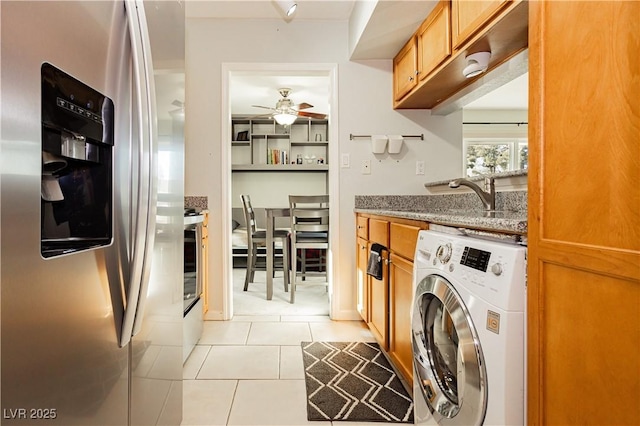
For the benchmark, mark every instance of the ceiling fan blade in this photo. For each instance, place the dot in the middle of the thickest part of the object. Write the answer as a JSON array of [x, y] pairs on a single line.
[[260, 106], [312, 115], [304, 105]]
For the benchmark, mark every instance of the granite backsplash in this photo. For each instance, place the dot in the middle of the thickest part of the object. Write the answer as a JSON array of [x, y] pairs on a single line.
[[507, 200]]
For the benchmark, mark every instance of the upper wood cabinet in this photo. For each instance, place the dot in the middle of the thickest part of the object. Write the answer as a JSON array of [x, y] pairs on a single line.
[[452, 31], [423, 52], [405, 69], [434, 39], [470, 16]]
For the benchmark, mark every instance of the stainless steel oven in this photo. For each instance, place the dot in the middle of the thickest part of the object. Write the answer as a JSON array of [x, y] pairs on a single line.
[[193, 313], [192, 260]]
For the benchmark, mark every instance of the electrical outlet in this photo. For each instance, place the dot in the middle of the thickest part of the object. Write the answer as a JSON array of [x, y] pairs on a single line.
[[365, 168], [344, 161], [419, 167]]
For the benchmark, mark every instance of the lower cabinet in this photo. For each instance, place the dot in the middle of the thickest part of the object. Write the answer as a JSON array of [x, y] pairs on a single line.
[[401, 296], [362, 279], [386, 304], [379, 289], [379, 307]]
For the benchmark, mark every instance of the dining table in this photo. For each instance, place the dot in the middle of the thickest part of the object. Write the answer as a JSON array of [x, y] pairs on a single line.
[[272, 213]]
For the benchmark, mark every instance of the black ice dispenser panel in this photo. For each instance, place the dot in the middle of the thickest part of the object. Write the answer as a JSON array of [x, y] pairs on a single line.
[[77, 153]]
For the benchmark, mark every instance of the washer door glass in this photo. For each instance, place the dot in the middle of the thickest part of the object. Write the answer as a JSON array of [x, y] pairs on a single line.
[[447, 357]]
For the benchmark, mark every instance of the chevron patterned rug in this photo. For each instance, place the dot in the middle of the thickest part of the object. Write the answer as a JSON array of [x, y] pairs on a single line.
[[353, 381]]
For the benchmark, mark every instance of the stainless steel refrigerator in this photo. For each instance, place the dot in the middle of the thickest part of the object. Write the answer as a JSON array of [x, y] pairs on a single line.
[[91, 241]]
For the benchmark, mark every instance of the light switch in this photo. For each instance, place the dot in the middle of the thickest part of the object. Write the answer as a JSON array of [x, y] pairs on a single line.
[[344, 161], [419, 167]]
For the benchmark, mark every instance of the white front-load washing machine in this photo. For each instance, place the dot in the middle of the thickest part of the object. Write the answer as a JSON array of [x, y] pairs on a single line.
[[468, 331]]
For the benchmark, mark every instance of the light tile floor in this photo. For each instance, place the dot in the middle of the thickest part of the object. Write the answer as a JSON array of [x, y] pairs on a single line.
[[249, 371]]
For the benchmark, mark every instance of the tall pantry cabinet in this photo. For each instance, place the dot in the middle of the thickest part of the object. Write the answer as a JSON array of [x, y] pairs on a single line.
[[584, 213]]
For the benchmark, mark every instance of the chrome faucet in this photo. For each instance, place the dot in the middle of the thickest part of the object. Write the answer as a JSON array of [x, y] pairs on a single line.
[[488, 195]]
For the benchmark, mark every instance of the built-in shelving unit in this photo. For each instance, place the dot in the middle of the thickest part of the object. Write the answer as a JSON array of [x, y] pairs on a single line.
[[263, 145]]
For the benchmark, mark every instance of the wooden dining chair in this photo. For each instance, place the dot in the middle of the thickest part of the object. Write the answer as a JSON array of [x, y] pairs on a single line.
[[258, 238], [309, 230]]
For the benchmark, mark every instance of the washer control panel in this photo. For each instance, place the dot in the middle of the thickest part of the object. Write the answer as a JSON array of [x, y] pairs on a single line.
[[475, 258], [443, 253], [496, 271]]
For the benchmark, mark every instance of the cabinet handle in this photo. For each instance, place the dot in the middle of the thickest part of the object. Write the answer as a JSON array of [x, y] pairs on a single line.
[[411, 78]]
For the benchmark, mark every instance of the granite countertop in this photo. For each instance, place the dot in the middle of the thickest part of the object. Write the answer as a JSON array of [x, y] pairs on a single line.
[[502, 221]]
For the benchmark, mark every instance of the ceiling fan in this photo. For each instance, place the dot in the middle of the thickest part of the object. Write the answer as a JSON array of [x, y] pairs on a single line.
[[286, 112], [180, 109]]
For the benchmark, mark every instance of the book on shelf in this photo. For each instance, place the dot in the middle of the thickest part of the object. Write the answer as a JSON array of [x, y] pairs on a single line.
[[277, 156]]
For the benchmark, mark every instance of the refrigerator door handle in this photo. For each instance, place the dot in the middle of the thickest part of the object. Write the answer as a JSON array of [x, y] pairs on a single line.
[[144, 221]]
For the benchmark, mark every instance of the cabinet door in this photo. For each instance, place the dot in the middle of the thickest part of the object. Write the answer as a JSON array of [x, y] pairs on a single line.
[[379, 305], [405, 69], [379, 231], [362, 279], [362, 227], [469, 16], [379, 290], [403, 239], [434, 39], [583, 290], [401, 296]]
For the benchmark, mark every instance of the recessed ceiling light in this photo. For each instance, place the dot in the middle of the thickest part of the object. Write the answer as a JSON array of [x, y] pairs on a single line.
[[477, 63], [288, 6]]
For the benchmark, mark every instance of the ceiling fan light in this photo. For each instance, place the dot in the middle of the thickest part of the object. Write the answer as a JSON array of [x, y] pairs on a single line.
[[288, 6], [284, 119]]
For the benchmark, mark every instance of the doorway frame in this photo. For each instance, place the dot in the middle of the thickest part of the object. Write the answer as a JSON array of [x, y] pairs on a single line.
[[333, 256]]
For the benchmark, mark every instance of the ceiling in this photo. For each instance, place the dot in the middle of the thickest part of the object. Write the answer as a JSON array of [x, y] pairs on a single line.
[[268, 9], [384, 26]]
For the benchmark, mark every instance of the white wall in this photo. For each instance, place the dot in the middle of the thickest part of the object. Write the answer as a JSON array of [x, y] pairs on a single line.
[[365, 107]]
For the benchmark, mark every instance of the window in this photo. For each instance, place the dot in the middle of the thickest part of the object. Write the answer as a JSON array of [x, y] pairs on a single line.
[[495, 155]]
